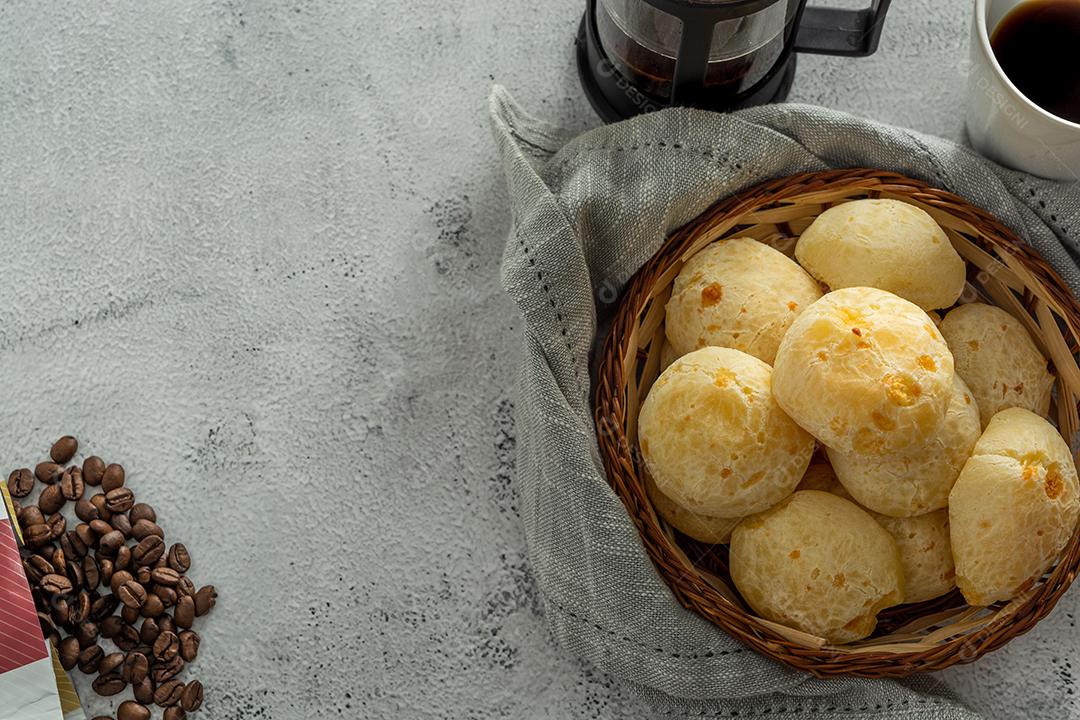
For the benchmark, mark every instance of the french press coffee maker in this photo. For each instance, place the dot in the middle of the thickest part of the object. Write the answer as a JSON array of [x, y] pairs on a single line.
[[636, 56]]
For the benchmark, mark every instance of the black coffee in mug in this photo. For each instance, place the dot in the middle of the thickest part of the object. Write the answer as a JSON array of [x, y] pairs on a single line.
[[1038, 46]]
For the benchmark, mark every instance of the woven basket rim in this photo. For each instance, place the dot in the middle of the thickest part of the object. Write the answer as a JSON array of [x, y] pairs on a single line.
[[1041, 293]]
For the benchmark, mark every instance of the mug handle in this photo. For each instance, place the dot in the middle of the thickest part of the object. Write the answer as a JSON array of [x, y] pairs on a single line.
[[835, 31]]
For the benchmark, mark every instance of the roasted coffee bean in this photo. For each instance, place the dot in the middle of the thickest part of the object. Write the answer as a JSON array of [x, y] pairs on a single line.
[[132, 594], [71, 483], [20, 483], [31, 515], [58, 559], [111, 662], [105, 565], [122, 561], [167, 594], [48, 472], [186, 610], [166, 624], [167, 646], [51, 499], [102, 507], [103, 607], [131, 710], [153, 607], [144, 691], [101, 528], [136, 667], [80, 613], [119, 500], [130, 615], [86, 535], [39, 565], [148, 550], [90, 658], [142, 511], [111, 626], [61, 611], [109, 684], [113, 477], [93, 469], [103, 717], [64, 449], [38, 534], [85, 510], [91, 573], [33, 574], [149, 631], [110, 542], [127, 639], [56, 584], [165, 576], [179, 560], [142, 576], [87, 633], [189, 645], [76, 575], [192, 698], [168, 693], [57, 525], [121, 523], [174, 713], [47, 626], [119, 578], [74, 538], [143, 528], [167, 669], [69, 652]]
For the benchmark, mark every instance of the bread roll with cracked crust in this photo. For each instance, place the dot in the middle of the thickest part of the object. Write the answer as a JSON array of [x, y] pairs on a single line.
[[917, 480], [865, 372], [817, 563], [714, 439], [1013, 508], [737, 293], [704, 528], [922, 541], [886, 244], [997, 359]]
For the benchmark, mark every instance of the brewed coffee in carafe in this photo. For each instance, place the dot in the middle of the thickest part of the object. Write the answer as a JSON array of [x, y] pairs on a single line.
[[642, 42]]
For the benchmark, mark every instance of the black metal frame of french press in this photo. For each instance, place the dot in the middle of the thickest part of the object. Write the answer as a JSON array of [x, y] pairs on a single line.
[[821, 30]]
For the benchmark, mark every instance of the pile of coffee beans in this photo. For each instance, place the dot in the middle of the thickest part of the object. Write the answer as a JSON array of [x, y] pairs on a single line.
[[112, 595]]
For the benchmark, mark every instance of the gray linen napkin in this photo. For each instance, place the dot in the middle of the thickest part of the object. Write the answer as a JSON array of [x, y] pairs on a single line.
[[587, 212]]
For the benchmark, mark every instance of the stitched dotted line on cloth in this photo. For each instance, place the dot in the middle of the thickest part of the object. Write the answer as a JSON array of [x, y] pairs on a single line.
[[558, 312], [813, 709], [1042, 204], [643, 646], [703, 152], [735, 713]]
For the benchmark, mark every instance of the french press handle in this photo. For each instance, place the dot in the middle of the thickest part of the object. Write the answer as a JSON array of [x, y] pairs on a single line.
[[835, 31]]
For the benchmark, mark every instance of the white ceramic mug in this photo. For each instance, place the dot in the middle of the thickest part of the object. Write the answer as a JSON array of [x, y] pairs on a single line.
[[1003, 124]]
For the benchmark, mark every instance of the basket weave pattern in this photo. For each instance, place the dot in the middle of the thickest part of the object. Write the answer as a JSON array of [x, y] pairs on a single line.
[[1001, 269]]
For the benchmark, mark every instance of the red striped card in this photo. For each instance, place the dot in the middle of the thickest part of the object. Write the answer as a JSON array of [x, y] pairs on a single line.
[[21, 642]]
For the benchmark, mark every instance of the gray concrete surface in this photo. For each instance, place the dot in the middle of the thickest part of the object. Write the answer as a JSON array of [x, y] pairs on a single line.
[[251, 251]]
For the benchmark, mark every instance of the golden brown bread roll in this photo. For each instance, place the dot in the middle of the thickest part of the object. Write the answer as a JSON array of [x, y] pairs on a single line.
[[737, 293], [917, 480], [704, 528], [714, 439], [998, 360], [886, 244], [1013, 508], [817, 563], [864, 371]]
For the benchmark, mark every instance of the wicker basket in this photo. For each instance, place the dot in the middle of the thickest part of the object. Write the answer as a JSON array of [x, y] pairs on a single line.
[[910, 638]]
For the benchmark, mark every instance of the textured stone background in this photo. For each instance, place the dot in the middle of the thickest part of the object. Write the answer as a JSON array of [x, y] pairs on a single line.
[[251, 251]]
